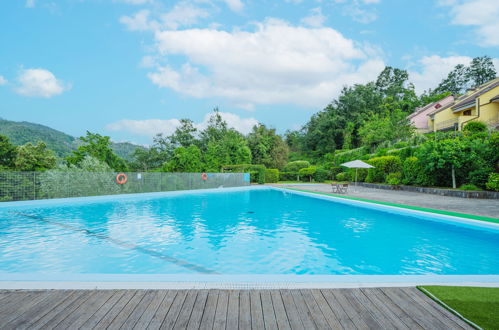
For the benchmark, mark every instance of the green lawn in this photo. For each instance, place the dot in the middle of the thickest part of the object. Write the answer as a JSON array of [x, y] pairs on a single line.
[[479, 305]]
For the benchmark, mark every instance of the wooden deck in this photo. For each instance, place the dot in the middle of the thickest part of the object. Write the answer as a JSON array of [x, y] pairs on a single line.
[[385, 308]]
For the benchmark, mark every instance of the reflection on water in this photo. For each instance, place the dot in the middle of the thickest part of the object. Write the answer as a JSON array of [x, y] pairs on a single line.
[[246, 232]]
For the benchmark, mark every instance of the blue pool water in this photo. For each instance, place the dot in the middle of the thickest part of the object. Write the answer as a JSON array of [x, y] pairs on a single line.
[[247, 231]]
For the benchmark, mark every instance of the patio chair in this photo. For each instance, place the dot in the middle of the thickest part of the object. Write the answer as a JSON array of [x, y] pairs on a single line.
[[342, 188], [334, 187]]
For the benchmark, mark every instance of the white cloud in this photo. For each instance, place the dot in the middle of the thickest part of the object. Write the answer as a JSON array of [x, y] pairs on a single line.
[[315, 19], [30, 4], [359, 10], [147, 127], [275, 64], [39, 83], [3, 81], [430, 70], [235, 5], [151, 127], [482, 14], [182, 14]]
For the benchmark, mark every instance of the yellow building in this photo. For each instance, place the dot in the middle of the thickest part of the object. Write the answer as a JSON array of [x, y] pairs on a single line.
[[478, 104]]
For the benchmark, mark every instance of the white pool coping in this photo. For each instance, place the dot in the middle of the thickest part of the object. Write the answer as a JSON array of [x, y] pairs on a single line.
[[198, 281]]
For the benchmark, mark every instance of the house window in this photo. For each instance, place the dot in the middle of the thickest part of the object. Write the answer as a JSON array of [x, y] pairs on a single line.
[[467, 113]]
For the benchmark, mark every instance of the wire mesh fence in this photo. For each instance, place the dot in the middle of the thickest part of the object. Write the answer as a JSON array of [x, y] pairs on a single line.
[[15, 186]]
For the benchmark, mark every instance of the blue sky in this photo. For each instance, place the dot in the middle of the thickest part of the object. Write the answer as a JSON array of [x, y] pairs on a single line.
[[132, 68]]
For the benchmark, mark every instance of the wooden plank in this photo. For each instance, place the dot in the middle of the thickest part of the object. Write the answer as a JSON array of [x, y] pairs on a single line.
[[233, 310], [328, 313], [256, 310], [209, 310], [434, 309], [12, 303], [244, 310], [116, 309], [24, 305], [163, 310], [147, 316], [103, 310], [186, 310], [387, 321], [197, 311], [376, 294], [268, 310], [291, 310], [59, 317], [175, 310], [412, 309], [319, 319], [85, 310], [134, 316], [280, 312], [221, 312], [127, 310], [359, 310], [303, 311], [35, 313], [338, 310], [41, 319]]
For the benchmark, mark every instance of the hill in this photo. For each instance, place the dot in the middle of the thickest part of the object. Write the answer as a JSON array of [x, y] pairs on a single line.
[[22, 132]]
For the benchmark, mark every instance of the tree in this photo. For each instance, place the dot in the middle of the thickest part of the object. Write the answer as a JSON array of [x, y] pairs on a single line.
[[184, 159], [7, 153], [215, 131], [387, 127], [34, 157], [185, 134], [480, 71], [267, 147], [99, 147], [230, 150]]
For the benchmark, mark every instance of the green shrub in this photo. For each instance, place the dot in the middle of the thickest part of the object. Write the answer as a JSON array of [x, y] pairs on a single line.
[[480, 176], [410, 170], [469, 186], [271, 175], [343, 176], [401, 144], [288, 176], [475, 127], [296, 166], [361, 174], [343, 156], [307, 172], [321, 174], [493, 183], [382, 167], [394, 178]]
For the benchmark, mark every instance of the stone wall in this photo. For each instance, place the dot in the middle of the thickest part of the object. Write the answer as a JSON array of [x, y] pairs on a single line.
[[435, 191]]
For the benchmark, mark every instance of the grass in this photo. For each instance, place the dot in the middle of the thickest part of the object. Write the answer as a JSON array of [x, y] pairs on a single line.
[[479, 305]]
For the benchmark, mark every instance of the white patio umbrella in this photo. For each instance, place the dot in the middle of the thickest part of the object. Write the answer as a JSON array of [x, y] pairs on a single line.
[[356, 164]]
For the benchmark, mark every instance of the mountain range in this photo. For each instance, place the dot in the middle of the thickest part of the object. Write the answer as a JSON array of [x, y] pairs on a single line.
[[22, 132]]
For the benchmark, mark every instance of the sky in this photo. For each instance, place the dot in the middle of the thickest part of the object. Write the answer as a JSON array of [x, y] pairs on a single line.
[[132, 68]]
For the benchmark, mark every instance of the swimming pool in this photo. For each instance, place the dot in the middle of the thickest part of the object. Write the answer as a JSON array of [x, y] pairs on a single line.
[[233, 231]]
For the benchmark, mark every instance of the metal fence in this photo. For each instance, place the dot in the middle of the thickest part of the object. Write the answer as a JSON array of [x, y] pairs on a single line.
[[15, 186]]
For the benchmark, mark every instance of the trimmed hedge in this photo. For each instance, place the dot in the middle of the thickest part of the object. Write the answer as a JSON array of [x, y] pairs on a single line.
[[271, 175], [383, 166]]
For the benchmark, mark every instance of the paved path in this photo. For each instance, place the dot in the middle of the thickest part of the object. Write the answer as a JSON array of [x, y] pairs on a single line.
[[387, 308], [482, 207]]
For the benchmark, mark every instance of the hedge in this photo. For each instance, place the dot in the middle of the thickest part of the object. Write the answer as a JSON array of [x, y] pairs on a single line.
[[383, 166], [271, 175]]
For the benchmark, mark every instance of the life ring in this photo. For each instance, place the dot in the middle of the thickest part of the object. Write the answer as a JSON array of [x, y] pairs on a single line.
[[204, 176], [121, 178]]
